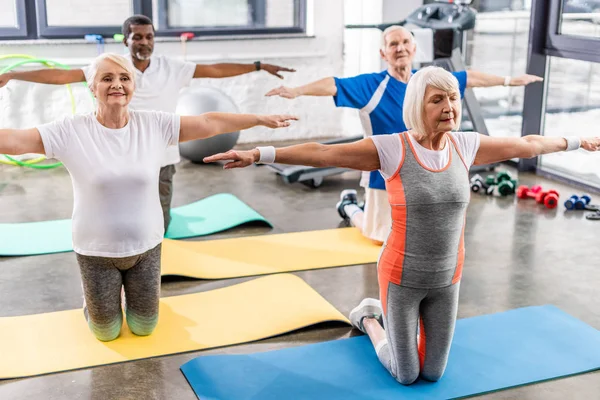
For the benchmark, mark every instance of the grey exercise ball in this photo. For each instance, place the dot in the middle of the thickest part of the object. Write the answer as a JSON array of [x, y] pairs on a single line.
[[199, 100]]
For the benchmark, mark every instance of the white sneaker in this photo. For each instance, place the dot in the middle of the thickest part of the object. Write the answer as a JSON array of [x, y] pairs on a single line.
[[368, 308], [347, 196]]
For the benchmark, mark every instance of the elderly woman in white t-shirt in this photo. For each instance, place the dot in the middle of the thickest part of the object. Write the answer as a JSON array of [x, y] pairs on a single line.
[[114, 156], [427, 182]]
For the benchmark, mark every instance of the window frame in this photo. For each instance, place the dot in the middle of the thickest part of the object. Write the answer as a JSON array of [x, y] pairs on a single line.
[[545, 41], [259, 8]]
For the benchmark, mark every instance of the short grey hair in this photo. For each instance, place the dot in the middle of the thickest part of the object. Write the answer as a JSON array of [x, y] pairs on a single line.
[[115, 58], [391, 29], [414, 99]]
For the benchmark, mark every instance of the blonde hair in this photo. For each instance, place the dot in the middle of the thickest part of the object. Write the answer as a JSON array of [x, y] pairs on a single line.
[[391, 29], [414, 99], [115, 58]]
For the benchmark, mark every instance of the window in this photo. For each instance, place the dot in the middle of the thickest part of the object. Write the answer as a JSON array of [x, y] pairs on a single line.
[[563, 50], [498, 45], [8, 17], [76, 18], [13, 24], [573, 28], [572, 108], [217, 13], [77, 12], [280, 14], [231, 16], [580, 18]]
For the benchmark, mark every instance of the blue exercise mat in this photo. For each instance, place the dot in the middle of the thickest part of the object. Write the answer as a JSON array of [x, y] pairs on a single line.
[[204, 217], [489, 353]]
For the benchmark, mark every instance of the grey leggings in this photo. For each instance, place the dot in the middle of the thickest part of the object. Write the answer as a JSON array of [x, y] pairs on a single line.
[[433, 313], [165, 190], [102, 280]]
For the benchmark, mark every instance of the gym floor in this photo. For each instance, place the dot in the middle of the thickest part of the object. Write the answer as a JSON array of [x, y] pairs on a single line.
[[518, 254]]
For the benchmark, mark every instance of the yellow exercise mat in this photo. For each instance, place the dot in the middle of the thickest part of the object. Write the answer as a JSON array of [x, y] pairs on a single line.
[[267, 254], [258, 309]]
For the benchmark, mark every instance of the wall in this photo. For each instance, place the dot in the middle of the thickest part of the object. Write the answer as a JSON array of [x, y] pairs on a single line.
[[320, 55]]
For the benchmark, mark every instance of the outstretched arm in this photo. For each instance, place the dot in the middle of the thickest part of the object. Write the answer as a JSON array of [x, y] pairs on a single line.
[[361, 155], [322, 87], [215, 123], [53, 76], [481, 79], [21, 141], [229, 69], [494, 149]]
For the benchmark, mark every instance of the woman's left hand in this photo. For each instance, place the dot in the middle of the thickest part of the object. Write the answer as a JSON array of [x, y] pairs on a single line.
[[525, 80], [237, 159], [590, 143]]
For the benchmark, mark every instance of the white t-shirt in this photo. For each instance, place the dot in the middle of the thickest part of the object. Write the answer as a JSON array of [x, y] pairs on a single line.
[[389, 148], [157, 89], [116, 209]]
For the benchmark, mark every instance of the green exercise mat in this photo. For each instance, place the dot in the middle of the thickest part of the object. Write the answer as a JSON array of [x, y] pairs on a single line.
[[207, 216]]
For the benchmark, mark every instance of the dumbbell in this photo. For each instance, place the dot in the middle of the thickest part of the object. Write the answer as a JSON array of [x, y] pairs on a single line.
[[503, 176], [549, 198], [478, 184], [506, 183], [507, 187], [523, 192], [577, 203]]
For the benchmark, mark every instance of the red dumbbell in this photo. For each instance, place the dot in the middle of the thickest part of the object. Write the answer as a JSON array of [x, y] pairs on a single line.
[[549, 198], [523, 192]]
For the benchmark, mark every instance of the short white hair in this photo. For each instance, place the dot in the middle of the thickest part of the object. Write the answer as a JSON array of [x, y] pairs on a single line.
[[413, 109], [391, 29], [115, 58]]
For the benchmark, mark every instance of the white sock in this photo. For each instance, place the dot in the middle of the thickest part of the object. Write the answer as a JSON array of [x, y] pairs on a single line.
[[351, 209], [380, 346], [356, 214]]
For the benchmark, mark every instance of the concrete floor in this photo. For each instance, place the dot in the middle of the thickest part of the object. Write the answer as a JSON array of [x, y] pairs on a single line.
[[518, 254]]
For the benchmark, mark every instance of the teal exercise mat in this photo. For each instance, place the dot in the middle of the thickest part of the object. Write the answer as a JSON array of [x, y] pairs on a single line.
[[489, 353], [204, 217]]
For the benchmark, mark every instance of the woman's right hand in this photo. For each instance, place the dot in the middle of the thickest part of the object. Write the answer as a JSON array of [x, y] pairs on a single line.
[[236, 159], [277, 121]]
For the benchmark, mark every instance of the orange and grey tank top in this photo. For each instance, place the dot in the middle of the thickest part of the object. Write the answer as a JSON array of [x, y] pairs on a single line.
[[425, 248]]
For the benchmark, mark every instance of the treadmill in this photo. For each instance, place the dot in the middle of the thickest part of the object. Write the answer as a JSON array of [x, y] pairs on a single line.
[[449, 23]]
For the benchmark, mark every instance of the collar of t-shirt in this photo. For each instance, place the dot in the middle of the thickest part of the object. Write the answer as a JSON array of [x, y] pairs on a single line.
[[115, 131], [151, 67], [400, 82], [431, 154]]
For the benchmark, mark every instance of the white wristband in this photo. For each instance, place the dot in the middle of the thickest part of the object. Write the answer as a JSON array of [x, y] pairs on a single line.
[[573, 143], [267, 155], [507, 80]]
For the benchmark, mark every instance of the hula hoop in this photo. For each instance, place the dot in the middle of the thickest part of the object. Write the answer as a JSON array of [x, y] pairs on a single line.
[[51, 64]]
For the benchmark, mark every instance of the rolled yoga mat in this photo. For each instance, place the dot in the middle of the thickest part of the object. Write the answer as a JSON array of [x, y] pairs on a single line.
[[61, 341], [204, 217], [489, 353], [267, 254]]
